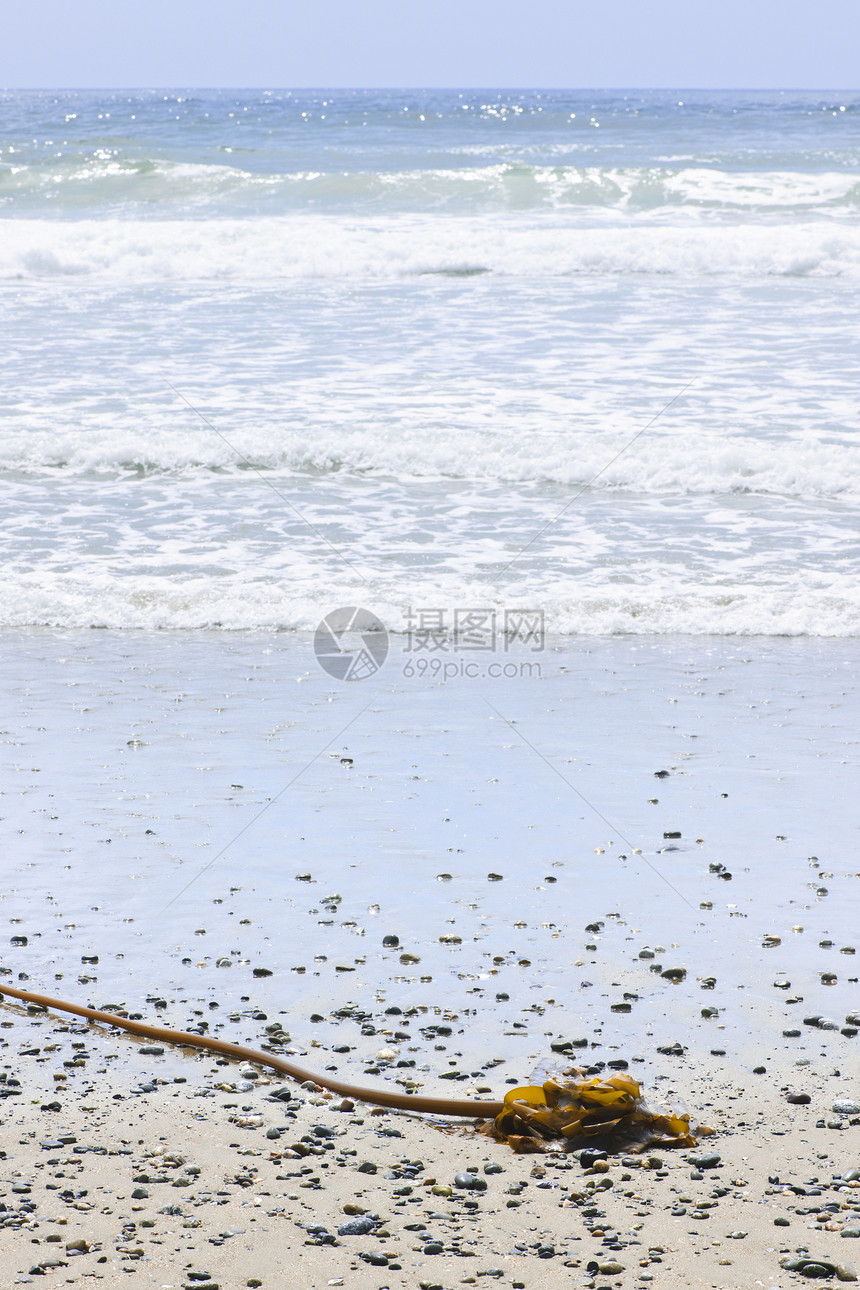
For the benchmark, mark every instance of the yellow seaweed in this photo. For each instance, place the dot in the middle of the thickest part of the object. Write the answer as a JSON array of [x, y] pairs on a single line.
[[611, 1109]]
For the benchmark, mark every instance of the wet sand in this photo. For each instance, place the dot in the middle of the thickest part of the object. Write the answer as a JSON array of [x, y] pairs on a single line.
[[532, 877]]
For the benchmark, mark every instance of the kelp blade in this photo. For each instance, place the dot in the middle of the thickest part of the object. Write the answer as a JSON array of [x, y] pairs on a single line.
[[611, 1109]]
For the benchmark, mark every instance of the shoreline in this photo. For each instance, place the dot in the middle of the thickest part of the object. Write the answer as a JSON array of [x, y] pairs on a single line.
[[494, 847]]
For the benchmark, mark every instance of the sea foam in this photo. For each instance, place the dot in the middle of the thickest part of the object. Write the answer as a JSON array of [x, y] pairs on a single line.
[[335, 248]]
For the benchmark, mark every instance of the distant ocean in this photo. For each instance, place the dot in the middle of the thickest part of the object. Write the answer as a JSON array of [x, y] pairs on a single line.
[[426, 330]]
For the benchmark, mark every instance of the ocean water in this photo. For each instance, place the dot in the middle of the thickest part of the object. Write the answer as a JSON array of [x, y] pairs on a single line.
[[590, 353]]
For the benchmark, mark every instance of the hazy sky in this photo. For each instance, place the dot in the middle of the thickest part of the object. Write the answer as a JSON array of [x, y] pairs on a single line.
[[505, 43]]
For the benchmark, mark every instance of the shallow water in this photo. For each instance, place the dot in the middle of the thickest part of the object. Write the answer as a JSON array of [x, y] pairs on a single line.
[[166, 788]]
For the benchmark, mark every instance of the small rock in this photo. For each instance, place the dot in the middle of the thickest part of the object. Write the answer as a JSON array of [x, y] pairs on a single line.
[[281, 1095], [356, 1227], [846, 1106], [590, 1155], [798, 1099]]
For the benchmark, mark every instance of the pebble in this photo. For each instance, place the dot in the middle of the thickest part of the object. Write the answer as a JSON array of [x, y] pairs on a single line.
[[589, 1156], [356, 1227], [846, 1106]]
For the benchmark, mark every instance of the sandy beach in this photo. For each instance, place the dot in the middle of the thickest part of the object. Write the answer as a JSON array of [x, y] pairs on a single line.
[[644, 856]]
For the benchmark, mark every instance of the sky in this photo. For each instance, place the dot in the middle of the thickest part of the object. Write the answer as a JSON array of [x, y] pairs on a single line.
[[567, 44]]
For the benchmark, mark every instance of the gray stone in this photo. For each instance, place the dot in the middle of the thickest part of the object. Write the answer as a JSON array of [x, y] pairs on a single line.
[[356, 1227]]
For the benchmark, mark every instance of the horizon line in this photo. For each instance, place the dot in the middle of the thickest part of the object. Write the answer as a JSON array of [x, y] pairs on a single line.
[[270, 88]]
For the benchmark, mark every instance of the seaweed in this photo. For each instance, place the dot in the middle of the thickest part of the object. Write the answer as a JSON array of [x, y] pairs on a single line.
[[587, 1110]]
